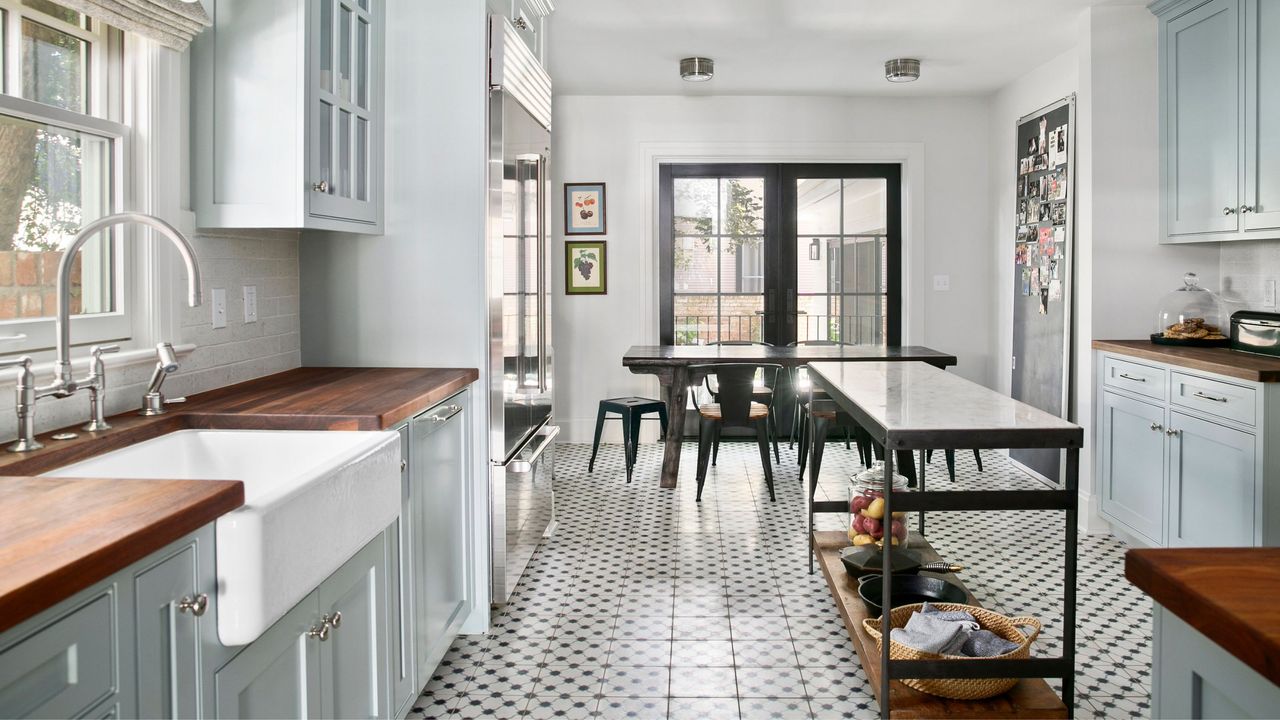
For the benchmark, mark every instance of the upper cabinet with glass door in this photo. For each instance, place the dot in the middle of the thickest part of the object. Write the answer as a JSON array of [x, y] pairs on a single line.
[[271, 151], [1220, 113]]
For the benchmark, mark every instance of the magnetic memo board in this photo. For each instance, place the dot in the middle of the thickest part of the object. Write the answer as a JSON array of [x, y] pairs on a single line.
[[1043, 255]]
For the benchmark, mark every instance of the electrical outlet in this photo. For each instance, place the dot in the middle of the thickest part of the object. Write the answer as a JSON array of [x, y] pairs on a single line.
[[219, 307], [941, 283], [250, 303]]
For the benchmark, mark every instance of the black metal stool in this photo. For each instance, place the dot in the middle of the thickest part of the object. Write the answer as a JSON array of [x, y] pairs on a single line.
[[631, 411]]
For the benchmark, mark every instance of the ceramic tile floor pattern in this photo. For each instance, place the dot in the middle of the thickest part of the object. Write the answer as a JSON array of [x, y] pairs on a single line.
[[647, 604]]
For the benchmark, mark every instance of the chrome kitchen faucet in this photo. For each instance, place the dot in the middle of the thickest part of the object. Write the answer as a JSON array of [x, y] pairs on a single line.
[[64, 383]]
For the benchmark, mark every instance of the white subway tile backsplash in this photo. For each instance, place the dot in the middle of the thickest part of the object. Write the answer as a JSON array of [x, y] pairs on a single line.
[[1247, 272]]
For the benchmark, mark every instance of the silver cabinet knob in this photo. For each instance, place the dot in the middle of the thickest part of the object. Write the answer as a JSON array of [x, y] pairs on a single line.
[[1246, 208], [334, 620], [196, 606], [1228, 211], [1157, 427], [320, 632], [322, 186], [520, 23], [1172, 433]]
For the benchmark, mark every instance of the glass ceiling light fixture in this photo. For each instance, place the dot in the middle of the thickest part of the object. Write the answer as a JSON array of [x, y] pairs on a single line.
[[697, 69], [900, 70]]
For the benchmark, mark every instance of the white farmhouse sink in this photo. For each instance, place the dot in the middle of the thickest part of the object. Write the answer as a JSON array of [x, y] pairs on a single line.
[[311, 500]]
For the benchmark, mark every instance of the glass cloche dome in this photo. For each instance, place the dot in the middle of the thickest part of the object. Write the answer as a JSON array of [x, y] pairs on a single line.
[[1190, 313]]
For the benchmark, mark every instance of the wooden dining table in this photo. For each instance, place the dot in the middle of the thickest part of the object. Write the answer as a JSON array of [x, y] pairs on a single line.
[[671, 363]]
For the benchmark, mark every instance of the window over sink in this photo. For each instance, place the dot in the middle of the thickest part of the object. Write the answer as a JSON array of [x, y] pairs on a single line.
[[61, 165]]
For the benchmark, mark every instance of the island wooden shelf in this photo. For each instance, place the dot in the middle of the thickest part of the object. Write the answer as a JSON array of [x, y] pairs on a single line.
[[1030, 698]]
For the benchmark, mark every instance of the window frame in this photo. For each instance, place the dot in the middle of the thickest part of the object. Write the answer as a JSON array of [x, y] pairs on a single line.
[[779, 324], [106, 105]]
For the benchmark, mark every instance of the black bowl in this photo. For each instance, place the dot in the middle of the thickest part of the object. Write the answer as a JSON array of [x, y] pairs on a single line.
[[909, 590]]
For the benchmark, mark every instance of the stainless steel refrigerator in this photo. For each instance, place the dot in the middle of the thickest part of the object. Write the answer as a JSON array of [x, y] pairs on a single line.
[[521, 433]]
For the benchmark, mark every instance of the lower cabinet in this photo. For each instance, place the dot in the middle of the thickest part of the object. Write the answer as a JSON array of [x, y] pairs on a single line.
[[1181, 456], [439, 528], [1193, 677], [1211, 484], [169, 608], [324, 659], [1133, 457]]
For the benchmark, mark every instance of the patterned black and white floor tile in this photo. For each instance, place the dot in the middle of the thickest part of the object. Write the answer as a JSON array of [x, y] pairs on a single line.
[[647, 604]]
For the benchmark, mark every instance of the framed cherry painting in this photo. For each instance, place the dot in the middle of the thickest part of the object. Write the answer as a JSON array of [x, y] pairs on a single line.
[[584, 209]]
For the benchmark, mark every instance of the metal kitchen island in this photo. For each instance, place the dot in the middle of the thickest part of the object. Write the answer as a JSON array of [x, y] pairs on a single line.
[[907, 406]]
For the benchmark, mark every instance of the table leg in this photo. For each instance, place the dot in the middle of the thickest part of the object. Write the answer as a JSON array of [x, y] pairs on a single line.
[[677, 391]]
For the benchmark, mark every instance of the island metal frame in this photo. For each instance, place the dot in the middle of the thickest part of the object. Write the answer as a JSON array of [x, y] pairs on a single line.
[[1063, 499]]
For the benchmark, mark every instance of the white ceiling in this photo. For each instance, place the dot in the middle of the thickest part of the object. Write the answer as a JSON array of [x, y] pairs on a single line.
[[805, 47]]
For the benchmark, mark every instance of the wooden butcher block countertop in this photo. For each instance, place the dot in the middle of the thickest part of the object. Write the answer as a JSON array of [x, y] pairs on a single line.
[[61, 535], [1223, 361]]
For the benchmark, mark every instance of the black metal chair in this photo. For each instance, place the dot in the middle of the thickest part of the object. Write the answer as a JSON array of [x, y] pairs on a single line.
[[734, 405], [631, 410], [821, 417], [800, 393], [951, 461], [763, 395]]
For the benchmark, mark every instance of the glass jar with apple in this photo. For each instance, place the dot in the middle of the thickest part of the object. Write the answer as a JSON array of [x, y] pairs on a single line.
[[867, 522]]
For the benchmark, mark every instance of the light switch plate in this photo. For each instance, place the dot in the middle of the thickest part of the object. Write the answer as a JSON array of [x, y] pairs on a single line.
[[250, 303], [941, 283], [219, 307]]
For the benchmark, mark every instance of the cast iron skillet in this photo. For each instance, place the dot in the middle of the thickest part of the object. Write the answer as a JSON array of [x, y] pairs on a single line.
[[909, 589]]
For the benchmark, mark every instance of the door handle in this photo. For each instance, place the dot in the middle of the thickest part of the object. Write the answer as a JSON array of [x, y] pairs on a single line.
[[524, 463], [541, 284]]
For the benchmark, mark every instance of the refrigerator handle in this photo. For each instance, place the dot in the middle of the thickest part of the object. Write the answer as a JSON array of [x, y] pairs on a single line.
[[543, 289]]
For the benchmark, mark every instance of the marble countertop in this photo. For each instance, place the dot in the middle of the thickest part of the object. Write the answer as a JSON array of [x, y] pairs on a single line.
[[913, 405]]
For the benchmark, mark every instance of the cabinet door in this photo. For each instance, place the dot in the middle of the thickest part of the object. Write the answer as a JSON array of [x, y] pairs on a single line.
[[278, 675], [166, 626], [1211, 484], [1202, 106], [66, 666], [353, 669], [441, 542], [344, 133], [1261, 203], [399, 559], [1133, 456]]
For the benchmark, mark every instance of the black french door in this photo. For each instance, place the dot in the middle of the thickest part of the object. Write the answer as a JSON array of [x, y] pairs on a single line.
[[780, 253]]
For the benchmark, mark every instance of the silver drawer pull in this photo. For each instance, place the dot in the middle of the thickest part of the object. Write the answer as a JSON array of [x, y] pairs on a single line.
[[196, 606], [1130, 377], [1204, 396], [449, 412]]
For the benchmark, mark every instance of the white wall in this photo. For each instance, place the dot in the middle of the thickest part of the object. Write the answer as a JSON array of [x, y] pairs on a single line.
[[415, 296], [616, 140], [1121, 269]]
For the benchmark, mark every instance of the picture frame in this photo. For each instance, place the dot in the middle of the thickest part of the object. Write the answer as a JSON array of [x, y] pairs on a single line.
[[586, 267], [584, 209]]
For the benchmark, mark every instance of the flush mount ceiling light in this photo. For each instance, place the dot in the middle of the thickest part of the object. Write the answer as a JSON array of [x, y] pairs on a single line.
[[902, 70], [697, 69]]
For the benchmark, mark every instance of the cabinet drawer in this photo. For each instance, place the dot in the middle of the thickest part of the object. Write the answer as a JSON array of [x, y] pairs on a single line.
[[1224, 400], [63, 669], [1134, 377]]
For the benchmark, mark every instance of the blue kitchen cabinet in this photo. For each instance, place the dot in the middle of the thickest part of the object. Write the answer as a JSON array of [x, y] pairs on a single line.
[[1133, 464], [170, 604], [353, 661], [1212, 479]]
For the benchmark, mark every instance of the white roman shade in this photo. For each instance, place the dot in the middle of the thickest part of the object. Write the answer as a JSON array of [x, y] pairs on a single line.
[[172, 23]]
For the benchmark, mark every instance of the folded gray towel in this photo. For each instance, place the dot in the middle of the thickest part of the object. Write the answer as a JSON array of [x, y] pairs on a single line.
[[984, 643], [934, 635], [950, 633], [953, 615]]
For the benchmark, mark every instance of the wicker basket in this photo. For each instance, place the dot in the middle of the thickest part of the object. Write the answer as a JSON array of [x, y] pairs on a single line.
[[960, 689]]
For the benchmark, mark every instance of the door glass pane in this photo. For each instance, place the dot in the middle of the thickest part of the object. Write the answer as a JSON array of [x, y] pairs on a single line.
[[841, 260], [325, 144], [718, 259], [344, 52], [344, 153], [326, 45], [362, 63], [54, 67], [696, 205], [818, 206], [65, 14], [56, 181], [362, 159]]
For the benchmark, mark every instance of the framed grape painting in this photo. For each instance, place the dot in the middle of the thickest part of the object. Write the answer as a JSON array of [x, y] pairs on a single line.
[[584, 209], [585, 270]]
